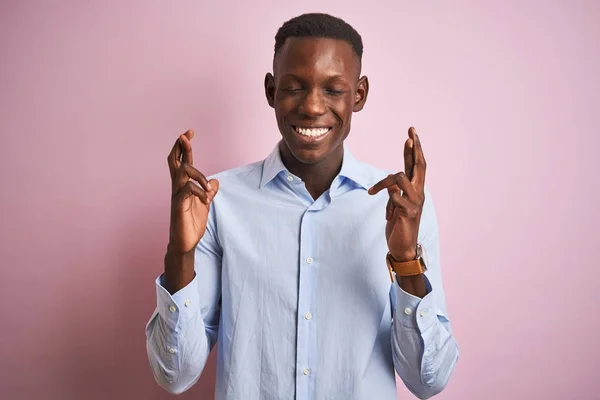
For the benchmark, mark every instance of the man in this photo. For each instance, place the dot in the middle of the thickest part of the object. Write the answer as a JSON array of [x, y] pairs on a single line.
[[286, 263]]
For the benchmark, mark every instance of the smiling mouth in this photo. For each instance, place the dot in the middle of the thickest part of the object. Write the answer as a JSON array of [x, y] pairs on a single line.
[[313, 132]]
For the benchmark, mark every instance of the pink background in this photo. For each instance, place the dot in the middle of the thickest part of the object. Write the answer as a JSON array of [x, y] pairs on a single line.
[[92, 95]]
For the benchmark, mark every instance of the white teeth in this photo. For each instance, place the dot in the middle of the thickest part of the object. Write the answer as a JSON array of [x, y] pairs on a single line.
[[312, 132]]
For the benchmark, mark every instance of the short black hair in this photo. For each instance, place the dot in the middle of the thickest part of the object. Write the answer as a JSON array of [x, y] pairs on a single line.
[[319, 25]]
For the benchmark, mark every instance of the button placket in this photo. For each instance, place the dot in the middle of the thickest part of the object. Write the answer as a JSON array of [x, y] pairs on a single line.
[[306, 327]]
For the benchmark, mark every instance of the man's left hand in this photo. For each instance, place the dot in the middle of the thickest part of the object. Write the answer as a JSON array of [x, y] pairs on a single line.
[[405, 205]]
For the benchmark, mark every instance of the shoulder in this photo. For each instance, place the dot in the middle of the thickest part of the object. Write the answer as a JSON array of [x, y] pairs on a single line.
[[245, 174], [368, 174]]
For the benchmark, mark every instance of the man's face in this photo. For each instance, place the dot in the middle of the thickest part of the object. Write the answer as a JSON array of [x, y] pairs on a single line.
[[314, 91]]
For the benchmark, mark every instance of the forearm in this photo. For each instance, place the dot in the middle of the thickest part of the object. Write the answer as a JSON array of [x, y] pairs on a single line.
[[178, 338], [179, 270], [414, 285], [424, 351], [177, 359]]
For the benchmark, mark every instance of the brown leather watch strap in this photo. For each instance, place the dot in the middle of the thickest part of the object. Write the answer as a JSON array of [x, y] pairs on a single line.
[[405, 268]]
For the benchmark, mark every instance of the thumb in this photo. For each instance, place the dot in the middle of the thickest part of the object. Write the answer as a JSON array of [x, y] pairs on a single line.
[[214, 184]]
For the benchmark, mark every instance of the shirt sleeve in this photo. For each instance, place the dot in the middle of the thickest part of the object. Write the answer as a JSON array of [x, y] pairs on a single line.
[[183, 328], [424, 349]]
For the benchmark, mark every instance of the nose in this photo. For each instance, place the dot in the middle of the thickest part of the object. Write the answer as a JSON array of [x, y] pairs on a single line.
[[312, 104]]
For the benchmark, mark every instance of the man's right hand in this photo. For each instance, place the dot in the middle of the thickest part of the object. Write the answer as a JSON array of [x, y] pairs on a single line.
[[190, 201]]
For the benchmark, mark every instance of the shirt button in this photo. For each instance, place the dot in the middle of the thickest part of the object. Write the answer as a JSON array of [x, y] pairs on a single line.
[[407, 311], [172, 350], [306, 371], [309, 260], [187, 303], [308, 315], [290, 178], [423, 313], [172, 309]]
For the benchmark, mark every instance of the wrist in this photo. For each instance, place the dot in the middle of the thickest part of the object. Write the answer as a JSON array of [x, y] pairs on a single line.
[[179, 269], [405, 255], [407, 263], [176, 250]]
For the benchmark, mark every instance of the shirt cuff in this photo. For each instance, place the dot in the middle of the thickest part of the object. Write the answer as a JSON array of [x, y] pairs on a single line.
[[179, 306], [414, 312]]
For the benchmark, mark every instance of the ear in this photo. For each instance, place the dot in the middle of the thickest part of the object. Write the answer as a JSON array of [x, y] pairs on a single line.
[[360, 97], [270, 89]]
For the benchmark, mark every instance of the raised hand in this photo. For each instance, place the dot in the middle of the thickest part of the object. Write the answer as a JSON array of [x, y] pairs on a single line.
[[191, 197], [405, 204]]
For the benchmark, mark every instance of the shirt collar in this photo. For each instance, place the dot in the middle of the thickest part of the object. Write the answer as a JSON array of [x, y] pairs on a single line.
[[272, 166], [354, 170], [351, 168]]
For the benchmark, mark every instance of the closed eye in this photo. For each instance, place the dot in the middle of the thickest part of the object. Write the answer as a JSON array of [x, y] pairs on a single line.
[[334, 92]]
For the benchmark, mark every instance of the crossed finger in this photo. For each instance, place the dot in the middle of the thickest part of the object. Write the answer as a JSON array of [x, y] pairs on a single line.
[[395, 183], [181, 152], [419, 163], [186, 173], [414, 165], [180, 161]]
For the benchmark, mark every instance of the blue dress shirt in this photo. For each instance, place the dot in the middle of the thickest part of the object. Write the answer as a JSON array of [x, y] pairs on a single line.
[[297, 293]]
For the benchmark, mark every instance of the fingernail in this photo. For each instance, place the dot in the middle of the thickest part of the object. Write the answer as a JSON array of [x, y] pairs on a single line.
[[208, 185]]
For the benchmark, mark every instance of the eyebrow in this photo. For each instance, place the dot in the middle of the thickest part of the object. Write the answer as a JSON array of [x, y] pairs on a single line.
[[332, 77]]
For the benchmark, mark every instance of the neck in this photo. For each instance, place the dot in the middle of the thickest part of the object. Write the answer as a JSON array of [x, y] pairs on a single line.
[[317, 177]]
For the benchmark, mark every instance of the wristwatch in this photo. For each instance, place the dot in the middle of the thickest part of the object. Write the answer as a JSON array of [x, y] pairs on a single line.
[[407, 268]]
